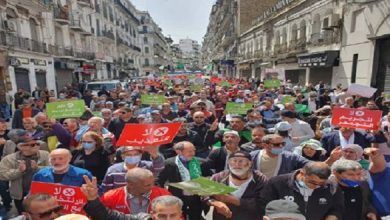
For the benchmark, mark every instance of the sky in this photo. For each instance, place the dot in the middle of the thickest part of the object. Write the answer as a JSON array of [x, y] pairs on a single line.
[[179, 18]]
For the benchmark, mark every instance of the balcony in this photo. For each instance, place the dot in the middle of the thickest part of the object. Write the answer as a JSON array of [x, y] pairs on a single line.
[[33, 5], [65, 52], [77, 24], [14, 41], [326, 37], [61, 15], [84, 3], [84, 55], [107, 35]]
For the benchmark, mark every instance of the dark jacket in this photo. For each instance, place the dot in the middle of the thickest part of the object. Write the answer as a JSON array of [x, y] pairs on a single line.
[[217, 159], [97, 211], [203, 131], [332, 140], [250, 203], [17, 121], [116, 126], [171, 174], [249, 147], [324, 201]]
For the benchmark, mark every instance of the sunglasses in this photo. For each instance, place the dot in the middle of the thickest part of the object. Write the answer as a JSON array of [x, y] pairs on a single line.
[[281, 144], [30, 145], [48, 213], [123, 113]]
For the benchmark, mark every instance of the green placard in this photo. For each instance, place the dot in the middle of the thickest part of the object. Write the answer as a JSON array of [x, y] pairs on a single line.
[[196, 87], [224, 84], [271, 83], [204, 187], [302, 108], [65, 109], [238, 108], [97, 114], [168, 82], [152, 99], [288, 99]]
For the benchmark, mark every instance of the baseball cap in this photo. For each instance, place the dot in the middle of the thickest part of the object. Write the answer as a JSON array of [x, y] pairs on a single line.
[[283, 209], [282, 126], [231, 132], [241, 154]]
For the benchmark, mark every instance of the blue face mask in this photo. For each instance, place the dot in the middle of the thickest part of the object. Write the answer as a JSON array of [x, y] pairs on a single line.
[[350, 183], [277, 151], [132, 159], [302, 184], [88, 146]]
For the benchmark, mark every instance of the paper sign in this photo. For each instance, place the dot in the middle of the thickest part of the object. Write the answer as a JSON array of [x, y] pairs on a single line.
[[148, 135], [238, 108], [356, 118], [196, 88], [302, 108], [65, 109], [224, 84], [271, 83], [152, 99], [288, 99], [70, 197], [204, 187], [97, 114], [361, 90]]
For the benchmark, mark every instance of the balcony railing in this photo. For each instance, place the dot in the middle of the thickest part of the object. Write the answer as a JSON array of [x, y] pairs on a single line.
[[77, 25], [84, 55], [22, 43], [107, 34], [61, 51], [86, 3], [326, 37], [61, 15]]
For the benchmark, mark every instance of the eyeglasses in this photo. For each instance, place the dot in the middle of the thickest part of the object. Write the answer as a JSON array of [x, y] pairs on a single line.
[[281, 144], [46, 214], [30, 145]]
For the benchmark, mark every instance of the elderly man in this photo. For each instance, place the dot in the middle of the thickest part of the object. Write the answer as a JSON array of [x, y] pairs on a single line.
[[117, 124], [131, 156], [244, 203], [107, 116], [309, 187], [95, 124], [40, 206], [72, 126], [357, 194], [162, 207], [300, 131], [237, 123], [137, 195], [258, 133], [184, 167], [273, 160], [218, 156], [282, 209], [19, 168], [60, 171]]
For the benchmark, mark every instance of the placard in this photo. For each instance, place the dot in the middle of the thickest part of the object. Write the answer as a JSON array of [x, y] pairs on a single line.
[[152, 99], [204, 187], [356, 118], [238, 108], [65, 109]]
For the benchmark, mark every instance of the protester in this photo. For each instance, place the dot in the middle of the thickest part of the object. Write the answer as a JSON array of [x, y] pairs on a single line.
[[282, 209], [258, 133], [311, 150], [117, 124], [25, 111], [300, 130]]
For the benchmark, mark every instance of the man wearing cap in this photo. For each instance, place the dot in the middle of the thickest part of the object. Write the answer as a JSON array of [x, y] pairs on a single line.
[[258, 133], [131, 156], [26, 111], [237, 123], [282, 209], [345, 136], [273, 160], [117, 124], [157, 118], [357, 194], [300, 131], [309, 187], [218, 156], [184, 167], [19, 168], [244, 202], [283, 129]]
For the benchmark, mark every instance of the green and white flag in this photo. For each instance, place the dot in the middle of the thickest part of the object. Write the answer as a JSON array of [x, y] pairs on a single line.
[[204, 187]]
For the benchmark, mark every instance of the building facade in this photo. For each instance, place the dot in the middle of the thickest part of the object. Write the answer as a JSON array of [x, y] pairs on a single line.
[[190, 53]]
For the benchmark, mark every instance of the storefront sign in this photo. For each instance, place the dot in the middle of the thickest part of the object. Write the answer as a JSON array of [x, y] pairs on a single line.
[[70, 197], [356, 118], [323, 59], [38, 62], [17, 61], [148, 135]]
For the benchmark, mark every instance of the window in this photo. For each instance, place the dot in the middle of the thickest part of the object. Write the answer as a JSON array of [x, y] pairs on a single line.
[[146, 62], [145, 29], [354, 67], [357, 20], [325, 23], [145, 40], [146, 49]]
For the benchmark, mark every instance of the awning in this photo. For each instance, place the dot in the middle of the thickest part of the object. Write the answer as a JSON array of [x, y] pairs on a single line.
[[321, 59]]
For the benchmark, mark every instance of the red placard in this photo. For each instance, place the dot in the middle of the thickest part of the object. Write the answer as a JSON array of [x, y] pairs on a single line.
[[215, 79], [70, 197], [148, 135], [356, 118]]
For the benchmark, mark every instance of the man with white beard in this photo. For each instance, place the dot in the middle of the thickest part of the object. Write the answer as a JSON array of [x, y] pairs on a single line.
[[60, 171], [243, 203]]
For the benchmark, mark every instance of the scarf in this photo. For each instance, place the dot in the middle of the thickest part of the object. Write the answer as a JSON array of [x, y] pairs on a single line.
[[193, 170]]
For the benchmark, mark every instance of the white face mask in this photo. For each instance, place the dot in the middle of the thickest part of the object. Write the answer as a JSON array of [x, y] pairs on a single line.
[[60, 168], [239, 172]]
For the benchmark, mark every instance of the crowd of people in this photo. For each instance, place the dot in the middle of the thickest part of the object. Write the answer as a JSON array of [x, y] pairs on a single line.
[[283, 163]]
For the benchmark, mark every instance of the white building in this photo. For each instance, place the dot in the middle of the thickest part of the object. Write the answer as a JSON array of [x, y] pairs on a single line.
[[190, 52]]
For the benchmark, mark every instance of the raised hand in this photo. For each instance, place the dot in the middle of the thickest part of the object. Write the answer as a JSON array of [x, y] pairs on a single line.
[[214, 125], [90, 189]]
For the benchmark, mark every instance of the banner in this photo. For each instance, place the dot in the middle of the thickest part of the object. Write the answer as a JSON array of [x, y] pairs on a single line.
[[361, 90], [65, 109], [271, 83], [70, 197], [288, 99], [356, 118], [152, 99], [148, 135], [204, 187], [302, 108], [238, 108]]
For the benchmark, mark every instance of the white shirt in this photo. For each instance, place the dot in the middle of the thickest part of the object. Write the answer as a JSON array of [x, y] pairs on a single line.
[[302, 130]]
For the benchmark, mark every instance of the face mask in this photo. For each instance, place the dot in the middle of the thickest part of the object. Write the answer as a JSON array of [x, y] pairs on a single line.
[[132, 159], [88, 146], [277, 151], [350, 183], [302, 184]]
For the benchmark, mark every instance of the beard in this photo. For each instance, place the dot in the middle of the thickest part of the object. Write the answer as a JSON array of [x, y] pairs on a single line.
[[239, 172], [60, 168]]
